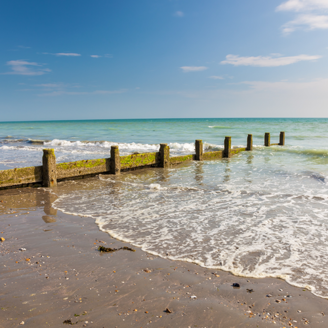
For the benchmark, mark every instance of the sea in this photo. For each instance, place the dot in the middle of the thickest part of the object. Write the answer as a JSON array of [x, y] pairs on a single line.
[[262, 213]]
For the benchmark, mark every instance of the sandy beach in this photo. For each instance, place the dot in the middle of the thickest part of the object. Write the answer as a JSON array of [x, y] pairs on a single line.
[[62, 279]]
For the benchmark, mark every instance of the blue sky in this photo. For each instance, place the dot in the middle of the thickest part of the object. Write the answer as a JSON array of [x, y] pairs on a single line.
[[100, 59]]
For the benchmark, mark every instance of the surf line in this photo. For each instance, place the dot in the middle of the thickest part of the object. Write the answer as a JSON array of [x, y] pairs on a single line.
[[50, 172]]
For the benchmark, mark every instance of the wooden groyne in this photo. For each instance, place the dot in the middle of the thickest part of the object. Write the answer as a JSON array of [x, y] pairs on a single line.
[[50, 172]]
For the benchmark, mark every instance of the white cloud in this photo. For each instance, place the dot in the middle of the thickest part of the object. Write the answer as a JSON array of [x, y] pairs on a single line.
[[68, 54], [187, 69], [179, 14], [74, 93], [308, 21], [49, 85], [22, 67], [303, 5], [99, 56], [215, 77], [310, 15], [65, 54], [270, 61]]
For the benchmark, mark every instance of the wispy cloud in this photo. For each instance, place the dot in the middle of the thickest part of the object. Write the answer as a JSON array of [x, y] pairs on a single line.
[[269, 61], [57, 86], [187, 69], [68, 54], [49, 85], [65, 54], [179, 14], [303, 5], [310, 15], [23, 47], [215, 77], [22, 67], [309, 21], [99, 56], [77, 93]]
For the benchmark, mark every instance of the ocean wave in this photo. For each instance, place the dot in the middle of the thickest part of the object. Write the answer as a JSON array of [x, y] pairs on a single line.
[[244, 229], [301, 151], [20, 148], [175, 147], [218, 127]]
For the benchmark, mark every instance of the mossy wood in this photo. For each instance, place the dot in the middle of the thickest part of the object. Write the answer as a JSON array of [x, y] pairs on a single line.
[[115, 163], [50, 171], [181, 159], [136, 160], [282, 138], [20, 176], [267, 139], [164, 155], [249, 142], [227, 147], [235, 151], [84, 167], [213, 155], [199, 150]]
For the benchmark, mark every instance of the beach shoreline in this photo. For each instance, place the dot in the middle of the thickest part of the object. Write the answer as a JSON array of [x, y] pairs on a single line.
[[61, 276]]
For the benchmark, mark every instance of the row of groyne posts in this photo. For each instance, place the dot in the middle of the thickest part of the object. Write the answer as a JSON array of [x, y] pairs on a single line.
[[50, 172]]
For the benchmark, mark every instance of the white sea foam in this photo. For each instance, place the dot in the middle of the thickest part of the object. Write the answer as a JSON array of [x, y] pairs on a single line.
[[124, 147], [233, 215]]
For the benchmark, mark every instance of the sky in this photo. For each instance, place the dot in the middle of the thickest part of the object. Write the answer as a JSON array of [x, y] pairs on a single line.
[[105, 59]]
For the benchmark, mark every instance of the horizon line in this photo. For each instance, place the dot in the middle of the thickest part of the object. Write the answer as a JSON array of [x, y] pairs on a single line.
[[164, 118]]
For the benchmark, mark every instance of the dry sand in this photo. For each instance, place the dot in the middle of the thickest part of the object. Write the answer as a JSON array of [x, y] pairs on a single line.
[[61, 276]]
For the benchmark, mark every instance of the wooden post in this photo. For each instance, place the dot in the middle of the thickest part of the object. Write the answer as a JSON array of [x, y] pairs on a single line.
[[199, 150], [267, 139], [164, 152], [249, 142], [227, 147], [115, 162], [49, 170], [282, 139]]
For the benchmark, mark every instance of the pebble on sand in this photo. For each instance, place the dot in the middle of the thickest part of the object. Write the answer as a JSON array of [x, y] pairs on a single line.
[[167, 310]]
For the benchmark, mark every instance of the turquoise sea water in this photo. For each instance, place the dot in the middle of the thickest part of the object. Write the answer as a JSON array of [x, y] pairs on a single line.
[[92, 139], [261, 213]]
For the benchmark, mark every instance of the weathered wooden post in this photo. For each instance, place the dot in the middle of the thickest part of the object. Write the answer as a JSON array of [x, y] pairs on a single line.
[[115, 162], [267, 139], [199, 150], [282, 139], [49, 170], [227, 147], [249, 142], [164, 155]]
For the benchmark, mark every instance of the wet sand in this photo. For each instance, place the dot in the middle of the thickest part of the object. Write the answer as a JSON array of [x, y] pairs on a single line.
[[62, 277]]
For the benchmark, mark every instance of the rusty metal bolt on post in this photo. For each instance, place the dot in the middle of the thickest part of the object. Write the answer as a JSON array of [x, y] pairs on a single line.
[[49, 170]]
